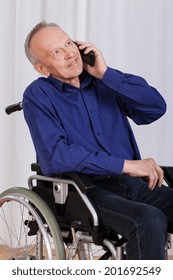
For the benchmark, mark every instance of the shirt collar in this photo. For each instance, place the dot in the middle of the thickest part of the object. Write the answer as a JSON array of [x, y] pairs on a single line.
[[85, 80]]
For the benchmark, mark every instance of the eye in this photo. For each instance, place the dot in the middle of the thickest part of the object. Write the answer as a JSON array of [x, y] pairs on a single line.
[[56, 52], [69, 43]]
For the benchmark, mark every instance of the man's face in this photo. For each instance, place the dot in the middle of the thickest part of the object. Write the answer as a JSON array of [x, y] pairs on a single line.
[[56, 53]]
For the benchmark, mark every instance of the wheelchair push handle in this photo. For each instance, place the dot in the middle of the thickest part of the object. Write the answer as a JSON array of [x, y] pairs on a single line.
[[13, 108]]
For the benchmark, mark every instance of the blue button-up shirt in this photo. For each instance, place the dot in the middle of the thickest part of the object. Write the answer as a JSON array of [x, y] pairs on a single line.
[[86, 129]]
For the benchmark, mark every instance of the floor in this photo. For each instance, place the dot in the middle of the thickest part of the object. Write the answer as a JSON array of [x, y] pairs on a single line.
[[3, 256]]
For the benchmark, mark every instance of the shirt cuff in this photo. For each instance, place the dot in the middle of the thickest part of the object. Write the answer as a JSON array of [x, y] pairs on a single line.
[[112, 78]]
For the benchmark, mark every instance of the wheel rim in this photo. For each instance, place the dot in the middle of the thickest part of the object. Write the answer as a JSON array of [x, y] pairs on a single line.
[[15, 242], [50, 232]]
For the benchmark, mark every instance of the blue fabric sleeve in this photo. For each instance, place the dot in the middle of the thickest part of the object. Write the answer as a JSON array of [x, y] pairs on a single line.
[[141, 102]]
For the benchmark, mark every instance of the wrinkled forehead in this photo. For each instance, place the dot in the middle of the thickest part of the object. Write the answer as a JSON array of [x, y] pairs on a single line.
[[47, 37]]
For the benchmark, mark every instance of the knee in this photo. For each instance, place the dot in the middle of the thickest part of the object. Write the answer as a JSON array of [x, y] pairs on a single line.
[[151, 220], [156, 219]]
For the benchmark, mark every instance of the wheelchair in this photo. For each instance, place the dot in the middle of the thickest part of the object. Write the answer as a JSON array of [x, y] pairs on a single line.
[[53, 219]]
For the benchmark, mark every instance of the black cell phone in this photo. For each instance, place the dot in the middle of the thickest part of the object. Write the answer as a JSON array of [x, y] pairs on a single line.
[[88, 58]]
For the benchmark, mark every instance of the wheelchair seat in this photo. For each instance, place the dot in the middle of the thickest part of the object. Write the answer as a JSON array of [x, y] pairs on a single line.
[[75, 213]]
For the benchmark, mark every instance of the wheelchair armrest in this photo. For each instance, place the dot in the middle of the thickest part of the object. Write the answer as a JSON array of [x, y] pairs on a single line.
[[83, 181], [168, 175], [36, 167]]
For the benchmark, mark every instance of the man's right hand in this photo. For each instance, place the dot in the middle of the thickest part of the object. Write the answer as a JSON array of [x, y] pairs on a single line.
[[100, 65]]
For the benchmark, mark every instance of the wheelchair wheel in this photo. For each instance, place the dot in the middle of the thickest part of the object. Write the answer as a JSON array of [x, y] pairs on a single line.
[[28, 229]]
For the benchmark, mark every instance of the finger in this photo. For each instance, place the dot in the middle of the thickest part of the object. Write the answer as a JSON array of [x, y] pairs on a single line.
[[86, 47], [80, 42], [83, 45], [153, 179], [160, 175], [156, 177]]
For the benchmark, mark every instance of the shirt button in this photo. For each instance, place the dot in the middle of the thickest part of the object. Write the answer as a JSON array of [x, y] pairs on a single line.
[[91, 111], [98, 133]]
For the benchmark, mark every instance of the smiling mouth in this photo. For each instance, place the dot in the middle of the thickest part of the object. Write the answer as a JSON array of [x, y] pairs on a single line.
[[73, 63]]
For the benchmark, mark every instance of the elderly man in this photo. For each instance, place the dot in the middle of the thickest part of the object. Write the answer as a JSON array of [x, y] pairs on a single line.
[[77, 116]]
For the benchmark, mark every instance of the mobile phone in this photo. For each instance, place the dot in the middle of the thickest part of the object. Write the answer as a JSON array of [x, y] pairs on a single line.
[[88, 58]]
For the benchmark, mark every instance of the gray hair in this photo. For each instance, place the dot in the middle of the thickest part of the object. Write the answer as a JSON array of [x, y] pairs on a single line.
[[32, 58]]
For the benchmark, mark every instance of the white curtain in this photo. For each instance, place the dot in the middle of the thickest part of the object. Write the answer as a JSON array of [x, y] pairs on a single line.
[[135, 36]]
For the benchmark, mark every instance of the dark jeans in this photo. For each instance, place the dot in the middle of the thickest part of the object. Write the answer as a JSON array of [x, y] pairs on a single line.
[[129, 207]]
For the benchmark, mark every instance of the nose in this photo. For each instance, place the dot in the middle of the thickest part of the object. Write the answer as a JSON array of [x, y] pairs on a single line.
[[68, 53]]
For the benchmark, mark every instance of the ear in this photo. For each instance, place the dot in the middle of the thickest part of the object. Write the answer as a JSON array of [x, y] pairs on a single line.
[[41, 69]]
